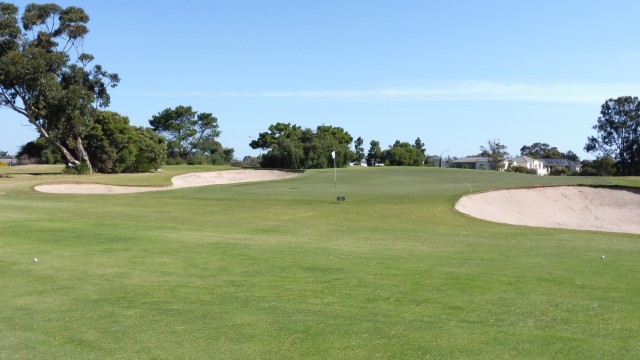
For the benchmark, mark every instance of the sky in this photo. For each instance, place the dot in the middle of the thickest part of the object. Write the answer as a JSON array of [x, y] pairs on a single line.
[[454, 73]]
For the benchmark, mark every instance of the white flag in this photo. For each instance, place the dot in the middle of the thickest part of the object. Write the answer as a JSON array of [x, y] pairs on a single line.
[[333, 154]]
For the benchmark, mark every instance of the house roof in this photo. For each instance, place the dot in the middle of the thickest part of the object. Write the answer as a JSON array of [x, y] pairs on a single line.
[[470, 159], [560, 162], [525, 159]]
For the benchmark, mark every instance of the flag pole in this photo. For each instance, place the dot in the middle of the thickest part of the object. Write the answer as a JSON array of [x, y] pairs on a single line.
[[335, 170]]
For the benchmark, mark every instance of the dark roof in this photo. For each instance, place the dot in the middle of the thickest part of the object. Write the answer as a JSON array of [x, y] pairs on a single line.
[[561, 162]]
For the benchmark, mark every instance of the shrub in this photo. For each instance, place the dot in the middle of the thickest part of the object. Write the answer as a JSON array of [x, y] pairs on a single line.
[[80, 169], [522, 169], [114, 146], [559, 172], [39, 151]]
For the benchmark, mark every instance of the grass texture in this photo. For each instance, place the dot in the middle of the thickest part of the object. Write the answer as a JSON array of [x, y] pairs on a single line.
[[281, 270]]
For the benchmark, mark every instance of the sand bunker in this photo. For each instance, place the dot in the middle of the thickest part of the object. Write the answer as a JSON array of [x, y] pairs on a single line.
[[181, 181], [570, 207]]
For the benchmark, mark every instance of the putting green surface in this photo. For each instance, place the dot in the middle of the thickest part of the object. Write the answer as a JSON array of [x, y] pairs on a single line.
[[281, 270]]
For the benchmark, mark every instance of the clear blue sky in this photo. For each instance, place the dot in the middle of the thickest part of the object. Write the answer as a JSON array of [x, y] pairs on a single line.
[[454, 73]]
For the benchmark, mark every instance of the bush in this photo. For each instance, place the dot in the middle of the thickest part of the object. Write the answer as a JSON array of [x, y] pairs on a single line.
[[198, 159], [559, 172], [39, 151], [522, 170], [237, 163], [114, 146], [80, 169]]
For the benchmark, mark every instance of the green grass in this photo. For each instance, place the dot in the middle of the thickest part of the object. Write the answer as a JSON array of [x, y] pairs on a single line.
[[281, 270]]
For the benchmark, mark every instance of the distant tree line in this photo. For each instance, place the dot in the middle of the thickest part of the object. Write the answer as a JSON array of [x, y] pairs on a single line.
[[401, 153], [290, 146], [287, 145]]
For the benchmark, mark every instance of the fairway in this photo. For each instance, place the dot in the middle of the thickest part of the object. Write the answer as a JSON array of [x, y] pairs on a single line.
[[282, 270]]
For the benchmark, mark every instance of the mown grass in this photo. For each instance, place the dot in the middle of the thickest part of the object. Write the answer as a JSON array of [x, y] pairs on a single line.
[[281, 270]]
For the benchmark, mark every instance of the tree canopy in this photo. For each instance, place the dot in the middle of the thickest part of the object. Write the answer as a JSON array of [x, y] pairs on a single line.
[[119, 147], [191, 136], [402, 153], [359, 149], [45, 76], [374, 155], [540, 150], [290, 146], [618, 134], [496, 152]]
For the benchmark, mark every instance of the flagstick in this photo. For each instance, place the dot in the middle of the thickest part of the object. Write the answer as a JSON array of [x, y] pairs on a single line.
[[335, 171]]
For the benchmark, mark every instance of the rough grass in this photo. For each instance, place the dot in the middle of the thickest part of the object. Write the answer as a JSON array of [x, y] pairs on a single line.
[[281, 270]]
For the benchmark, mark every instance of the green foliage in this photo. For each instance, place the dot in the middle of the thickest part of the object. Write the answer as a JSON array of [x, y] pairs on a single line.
[[115, 146], [545, 151], [541, 151], [618, 129], [570, 155], [251, 161], [152, 150], [418, 144], [77, 169], [374, 155], [560, 171], [404, 154], [191, 136], [359, 150], [522, 169], [292, 147], [39, 151], [45, 77], [496, 152], [602, 166]]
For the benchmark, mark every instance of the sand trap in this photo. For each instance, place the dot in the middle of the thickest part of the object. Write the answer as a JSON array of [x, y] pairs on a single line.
[[570, 207], [180, 181]]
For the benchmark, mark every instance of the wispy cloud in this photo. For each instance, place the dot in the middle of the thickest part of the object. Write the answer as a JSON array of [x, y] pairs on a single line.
[[457, 91]]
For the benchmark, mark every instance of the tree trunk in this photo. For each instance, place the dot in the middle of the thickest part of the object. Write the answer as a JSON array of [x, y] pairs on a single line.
[[67, 155], [83, 154]]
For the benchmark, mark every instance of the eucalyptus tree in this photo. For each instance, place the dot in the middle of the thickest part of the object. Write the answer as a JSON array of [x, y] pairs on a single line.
[[540, 150], [45, 76], [496, 152], [188, 132], [618, 134]]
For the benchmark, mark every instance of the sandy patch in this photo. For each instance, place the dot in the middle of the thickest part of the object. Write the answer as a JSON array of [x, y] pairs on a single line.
[[570, 207], [180, 181]]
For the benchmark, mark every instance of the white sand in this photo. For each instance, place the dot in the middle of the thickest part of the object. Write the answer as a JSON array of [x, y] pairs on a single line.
[[181, 181], [570, 207]]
